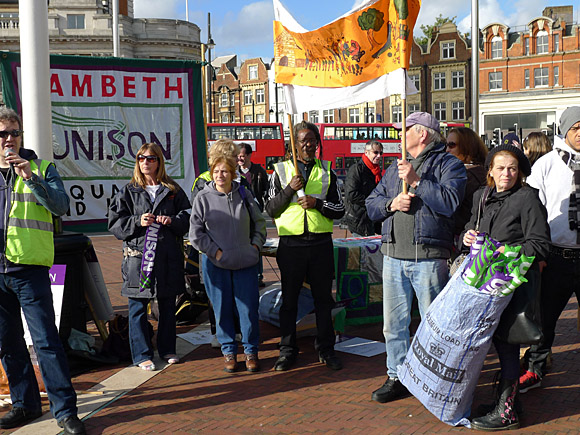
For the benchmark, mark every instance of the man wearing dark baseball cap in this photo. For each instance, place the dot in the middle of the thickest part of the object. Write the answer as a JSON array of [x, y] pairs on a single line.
[[557, 177], [417, 234]]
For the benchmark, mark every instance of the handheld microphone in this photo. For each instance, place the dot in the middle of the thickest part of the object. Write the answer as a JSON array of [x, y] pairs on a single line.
[[8, 152]]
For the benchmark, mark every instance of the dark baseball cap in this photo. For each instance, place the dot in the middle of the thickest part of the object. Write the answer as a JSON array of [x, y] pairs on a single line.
[[422, 118]]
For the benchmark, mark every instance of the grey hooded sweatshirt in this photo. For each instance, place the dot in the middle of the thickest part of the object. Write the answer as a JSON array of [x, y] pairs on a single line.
[[222, 221]]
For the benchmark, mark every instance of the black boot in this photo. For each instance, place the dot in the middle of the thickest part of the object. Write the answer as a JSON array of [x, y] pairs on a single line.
[[486, 408], [504, 416]]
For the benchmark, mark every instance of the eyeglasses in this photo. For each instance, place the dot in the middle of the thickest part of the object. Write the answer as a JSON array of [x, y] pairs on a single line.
[[376, 153], [150, 159], [451, 144], [14, 133]]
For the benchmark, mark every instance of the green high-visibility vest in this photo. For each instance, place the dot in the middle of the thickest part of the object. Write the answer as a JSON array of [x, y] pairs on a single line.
[[203, 176], [29, 235], [291, 221]]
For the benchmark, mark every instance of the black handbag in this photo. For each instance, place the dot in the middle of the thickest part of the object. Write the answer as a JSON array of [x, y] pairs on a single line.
[[520, 322]]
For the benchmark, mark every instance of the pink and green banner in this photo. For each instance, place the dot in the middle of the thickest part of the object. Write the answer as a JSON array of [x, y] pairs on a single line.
[[103, 110]]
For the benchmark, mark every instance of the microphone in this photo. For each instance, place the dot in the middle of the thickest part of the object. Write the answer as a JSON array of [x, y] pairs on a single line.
[[8, 152]]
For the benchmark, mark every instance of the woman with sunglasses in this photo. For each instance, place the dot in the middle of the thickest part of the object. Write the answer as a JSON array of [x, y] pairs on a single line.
[[468, 147], [151, 215]]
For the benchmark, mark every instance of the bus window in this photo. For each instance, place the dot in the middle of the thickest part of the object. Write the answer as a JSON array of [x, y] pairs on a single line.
[[329, 133], [350, 132], [339, 162], [388, 161], [216, 133], [377, 133], [349, 161], [248, 132], [271, 161], [271, 132], [393, 133]]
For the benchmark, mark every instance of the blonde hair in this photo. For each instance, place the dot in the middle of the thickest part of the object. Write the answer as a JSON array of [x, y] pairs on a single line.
[[161, 175], [223, 147]]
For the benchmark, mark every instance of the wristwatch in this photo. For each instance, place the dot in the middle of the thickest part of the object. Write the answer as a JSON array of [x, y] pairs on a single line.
[[417, 185]]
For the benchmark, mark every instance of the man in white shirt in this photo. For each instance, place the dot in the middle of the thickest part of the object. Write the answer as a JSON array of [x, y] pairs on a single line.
[[557, 177]]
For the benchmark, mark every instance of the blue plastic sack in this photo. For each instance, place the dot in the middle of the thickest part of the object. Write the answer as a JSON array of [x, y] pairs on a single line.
[[445, 359]]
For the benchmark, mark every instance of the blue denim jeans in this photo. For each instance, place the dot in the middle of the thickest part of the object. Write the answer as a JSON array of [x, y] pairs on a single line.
[[234, 293], [139, 335], [30, 289], [426, 278]]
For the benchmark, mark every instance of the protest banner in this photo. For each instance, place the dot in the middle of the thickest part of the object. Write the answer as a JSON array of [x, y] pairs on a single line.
[[103, 110], [359, 57]]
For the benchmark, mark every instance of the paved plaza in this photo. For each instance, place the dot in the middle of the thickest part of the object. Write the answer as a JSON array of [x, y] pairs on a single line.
[[198, 396]]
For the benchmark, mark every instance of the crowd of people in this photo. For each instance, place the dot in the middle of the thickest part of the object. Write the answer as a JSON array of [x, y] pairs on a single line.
[[428, 209]]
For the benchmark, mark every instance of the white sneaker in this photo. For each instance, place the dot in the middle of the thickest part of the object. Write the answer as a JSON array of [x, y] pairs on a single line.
[[215, 343]]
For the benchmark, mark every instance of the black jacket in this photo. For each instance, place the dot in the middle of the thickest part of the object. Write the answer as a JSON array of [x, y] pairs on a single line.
[[476, 177], [259, 183], [360, 182], [125, 223], [514, 217]]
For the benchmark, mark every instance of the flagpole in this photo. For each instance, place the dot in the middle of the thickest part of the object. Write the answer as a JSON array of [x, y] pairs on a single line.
[[300, 192], [404, 124], [292, 144], [204, 91]]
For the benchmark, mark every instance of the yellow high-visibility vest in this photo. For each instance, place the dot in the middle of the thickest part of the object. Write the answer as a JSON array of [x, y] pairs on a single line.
[[291, 221], [29, 235]]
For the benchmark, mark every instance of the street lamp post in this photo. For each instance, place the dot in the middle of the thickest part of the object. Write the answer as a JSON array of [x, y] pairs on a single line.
[[210, 44]]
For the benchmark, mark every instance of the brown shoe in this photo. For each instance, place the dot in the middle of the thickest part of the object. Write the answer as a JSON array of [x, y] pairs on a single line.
[[252, 362], [231, 362]]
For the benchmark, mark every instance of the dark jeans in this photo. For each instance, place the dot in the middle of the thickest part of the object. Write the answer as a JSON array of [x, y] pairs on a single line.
[[30, 290], [315, 264], [139, 334], [509, 358], [560, 279]]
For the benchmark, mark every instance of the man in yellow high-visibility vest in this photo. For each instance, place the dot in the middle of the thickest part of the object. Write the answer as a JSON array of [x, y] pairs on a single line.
[[31, 192], [304, 206]]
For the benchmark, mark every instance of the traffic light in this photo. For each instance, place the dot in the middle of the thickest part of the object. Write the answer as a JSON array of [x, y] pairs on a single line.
[[497, 136]]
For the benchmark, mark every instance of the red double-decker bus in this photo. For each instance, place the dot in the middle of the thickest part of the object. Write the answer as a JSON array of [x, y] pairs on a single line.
[[344, 144], [266, 140]]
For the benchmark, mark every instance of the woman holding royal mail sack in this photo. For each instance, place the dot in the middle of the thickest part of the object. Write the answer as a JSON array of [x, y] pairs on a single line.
[[151, 215], [228, 228], [511, 213]]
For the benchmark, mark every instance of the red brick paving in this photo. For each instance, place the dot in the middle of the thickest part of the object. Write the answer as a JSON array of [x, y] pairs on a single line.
[[198, 396]]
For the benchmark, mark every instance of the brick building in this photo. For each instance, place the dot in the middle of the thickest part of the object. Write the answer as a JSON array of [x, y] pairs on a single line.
[[226, 92], [441, 71], [529, 74], [255, 91]]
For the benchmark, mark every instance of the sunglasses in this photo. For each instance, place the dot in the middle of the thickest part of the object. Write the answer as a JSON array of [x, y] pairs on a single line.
[[150, 159], [451, 144], [14, 133]]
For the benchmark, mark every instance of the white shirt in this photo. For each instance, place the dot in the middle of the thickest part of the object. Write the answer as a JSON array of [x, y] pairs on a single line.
[[553, 178], [152, 191]]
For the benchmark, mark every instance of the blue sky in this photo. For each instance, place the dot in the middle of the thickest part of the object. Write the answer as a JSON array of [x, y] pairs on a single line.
[[244, 27]]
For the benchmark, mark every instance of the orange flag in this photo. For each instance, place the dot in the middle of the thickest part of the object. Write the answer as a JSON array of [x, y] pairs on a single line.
[[356, 58]]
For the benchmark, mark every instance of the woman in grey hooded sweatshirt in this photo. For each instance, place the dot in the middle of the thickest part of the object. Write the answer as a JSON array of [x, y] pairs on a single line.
[[228, 228]]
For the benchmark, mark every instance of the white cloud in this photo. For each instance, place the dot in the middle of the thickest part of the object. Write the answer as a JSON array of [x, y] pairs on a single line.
[[430, 10], [252, 25], [153, 9]]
